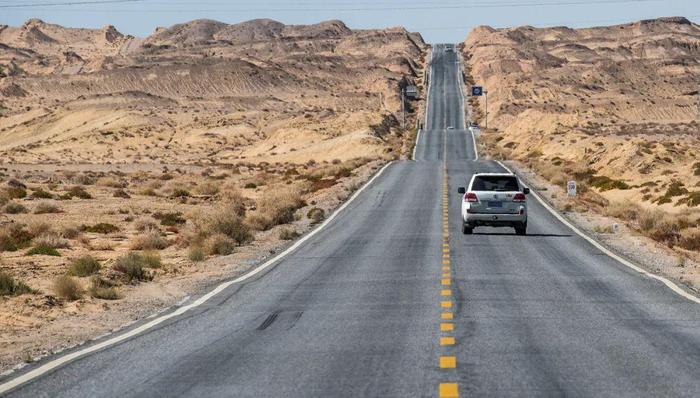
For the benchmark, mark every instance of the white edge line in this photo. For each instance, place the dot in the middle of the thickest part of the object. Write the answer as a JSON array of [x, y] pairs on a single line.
[[415, 146], [430, 82], [608, 252], [53, 364], [461, 93]]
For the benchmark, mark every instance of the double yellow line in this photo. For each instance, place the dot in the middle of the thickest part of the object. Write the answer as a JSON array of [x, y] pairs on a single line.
[[447, 340]]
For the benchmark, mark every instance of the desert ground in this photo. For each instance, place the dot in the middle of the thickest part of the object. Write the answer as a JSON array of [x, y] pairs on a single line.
[[614, 108], [137, 171]]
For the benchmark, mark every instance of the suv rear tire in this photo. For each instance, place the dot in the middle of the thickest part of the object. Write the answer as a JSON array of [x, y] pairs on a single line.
[[467, 229], [521, 229]]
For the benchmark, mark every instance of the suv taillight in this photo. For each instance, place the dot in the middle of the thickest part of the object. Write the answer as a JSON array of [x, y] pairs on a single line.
[[519, 197], [470, 197]]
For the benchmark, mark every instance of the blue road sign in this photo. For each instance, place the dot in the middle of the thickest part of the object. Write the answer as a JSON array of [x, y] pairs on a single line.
[[477, 91]]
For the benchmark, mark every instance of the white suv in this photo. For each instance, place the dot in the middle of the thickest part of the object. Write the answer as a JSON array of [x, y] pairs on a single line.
[[494, 200]]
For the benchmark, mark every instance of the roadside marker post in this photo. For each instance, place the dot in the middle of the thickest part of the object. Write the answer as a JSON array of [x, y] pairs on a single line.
[[571, 188]]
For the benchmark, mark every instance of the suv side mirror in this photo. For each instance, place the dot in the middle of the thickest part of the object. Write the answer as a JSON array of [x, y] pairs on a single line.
[[461, 190], [526, 190]]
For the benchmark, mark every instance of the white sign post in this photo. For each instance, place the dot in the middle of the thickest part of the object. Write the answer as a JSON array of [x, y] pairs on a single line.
[[571, 188]]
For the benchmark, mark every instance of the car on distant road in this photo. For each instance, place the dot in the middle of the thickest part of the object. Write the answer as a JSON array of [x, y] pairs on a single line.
[[450, 127], [474, 128], [494, 200]]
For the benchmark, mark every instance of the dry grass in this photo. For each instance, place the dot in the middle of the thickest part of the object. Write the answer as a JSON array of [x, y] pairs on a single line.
[[133, 265], [9, 286], [67, 288], [196, 254], [15, 208], [219, 244], [46, 208], [226, 219], [102, 289], [276, 207], [84, 266], [150, 239], [51, 239]]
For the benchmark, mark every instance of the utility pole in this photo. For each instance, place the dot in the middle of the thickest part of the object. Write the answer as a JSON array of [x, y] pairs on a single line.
[[486, 109]]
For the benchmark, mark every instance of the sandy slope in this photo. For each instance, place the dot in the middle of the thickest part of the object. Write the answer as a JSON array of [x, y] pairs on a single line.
[[178, 123], [620, 101]]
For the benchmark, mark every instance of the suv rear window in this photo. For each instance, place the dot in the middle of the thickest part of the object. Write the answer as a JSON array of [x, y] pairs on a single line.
[[495, 183]]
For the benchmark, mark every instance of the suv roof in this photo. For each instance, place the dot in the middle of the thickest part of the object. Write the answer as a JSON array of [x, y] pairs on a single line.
[[495, 174]]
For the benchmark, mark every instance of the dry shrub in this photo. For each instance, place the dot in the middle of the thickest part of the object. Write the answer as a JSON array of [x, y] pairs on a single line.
[[46, 208], [84, 266], [316, 214], [219, 244], [149, 240], [276, 207], [112, 182], [648, 219], [103, 289], [288, 234], [67, 288], [36, 228], [225, 219], [9, 286], [625, 210], [665, 231], [144, 224], [13, 237], [207, 188], [120, 193], [132, 265], [101, 245], [690, 239], [196, 254], [4, 198], [50, 239], [70, 232], [15, 208]]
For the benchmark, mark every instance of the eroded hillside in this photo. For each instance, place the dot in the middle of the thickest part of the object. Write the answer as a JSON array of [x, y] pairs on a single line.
[[201, 91], [136, 171], [614, 108]]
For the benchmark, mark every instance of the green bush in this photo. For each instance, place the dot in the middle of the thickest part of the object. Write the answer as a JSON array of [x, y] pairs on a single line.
[[43, 251], [46, 208], [180, 193], [78, 192], [15, 208], [16, 192], [169, 219], [11, 287], [132, 265], [288, 234], [605, 183], [39, 193], [84, 266], [13, 237], [101, 228]]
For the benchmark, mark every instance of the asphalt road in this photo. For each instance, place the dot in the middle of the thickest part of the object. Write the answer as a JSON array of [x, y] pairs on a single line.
[[363, 308]]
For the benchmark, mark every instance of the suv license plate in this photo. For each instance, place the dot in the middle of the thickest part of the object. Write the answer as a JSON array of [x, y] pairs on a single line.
[[495, 204]]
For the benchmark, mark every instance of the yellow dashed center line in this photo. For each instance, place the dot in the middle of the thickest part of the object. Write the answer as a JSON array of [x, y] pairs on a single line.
[[448, 390], [447, 327], [447, 340]]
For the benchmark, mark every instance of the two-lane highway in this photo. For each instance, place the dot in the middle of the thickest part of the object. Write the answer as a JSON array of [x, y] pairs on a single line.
[[390, 299]]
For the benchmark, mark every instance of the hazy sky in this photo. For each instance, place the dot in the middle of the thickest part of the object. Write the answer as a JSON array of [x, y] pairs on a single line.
[[438, 21]]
